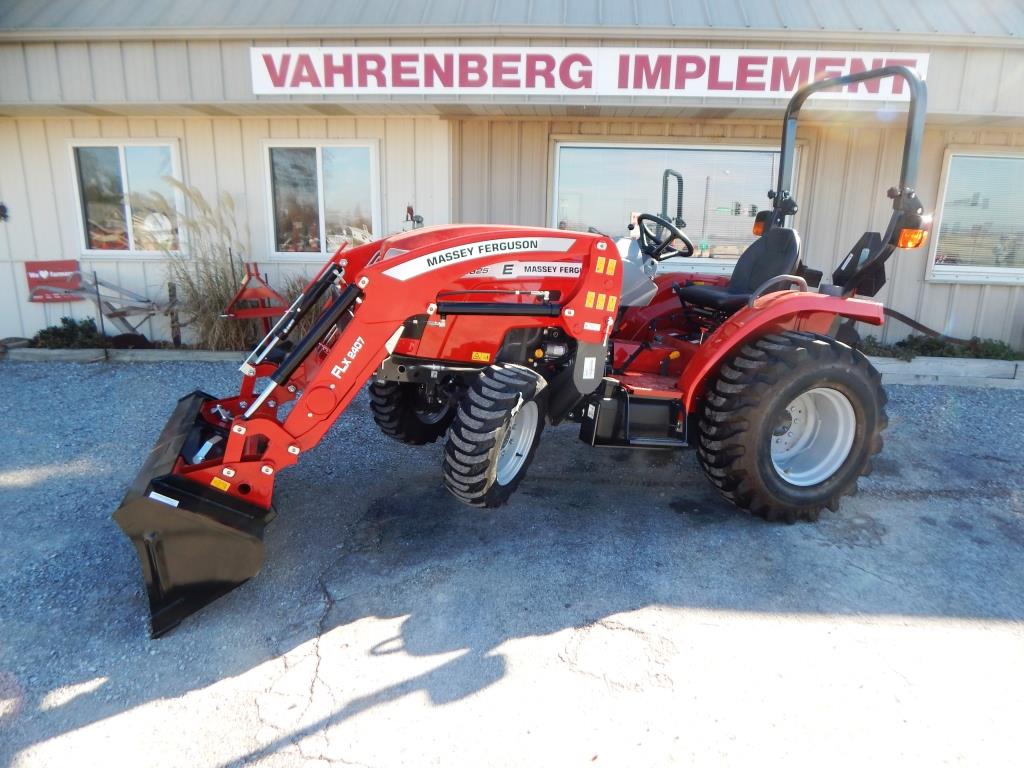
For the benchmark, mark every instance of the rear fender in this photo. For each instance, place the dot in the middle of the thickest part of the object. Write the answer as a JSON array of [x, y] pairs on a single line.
[[785, 310]]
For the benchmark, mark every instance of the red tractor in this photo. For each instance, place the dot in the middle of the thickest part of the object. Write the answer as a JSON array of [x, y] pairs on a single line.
[[481, 335]]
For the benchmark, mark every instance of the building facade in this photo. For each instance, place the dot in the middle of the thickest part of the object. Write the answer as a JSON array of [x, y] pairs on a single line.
[[326, 125]]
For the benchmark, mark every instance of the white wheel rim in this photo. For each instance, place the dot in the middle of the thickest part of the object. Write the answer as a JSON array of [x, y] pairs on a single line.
[[814, 437], [516, 443]]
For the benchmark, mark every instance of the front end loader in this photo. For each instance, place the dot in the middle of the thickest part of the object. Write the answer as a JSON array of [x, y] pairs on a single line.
[[481, 335]]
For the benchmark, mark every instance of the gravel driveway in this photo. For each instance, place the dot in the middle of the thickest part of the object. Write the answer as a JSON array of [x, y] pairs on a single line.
[[617, 612]]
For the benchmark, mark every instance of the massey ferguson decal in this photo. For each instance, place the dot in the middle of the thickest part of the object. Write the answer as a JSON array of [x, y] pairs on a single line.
[[470, 251], [691, 72], [513, 270]]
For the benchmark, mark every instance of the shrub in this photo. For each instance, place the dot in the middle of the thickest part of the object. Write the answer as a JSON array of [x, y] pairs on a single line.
[[290, 289], [913, 346], [70, 334], [208, 271]]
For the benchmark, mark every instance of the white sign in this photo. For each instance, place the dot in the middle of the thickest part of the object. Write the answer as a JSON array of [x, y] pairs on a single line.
[[682, 72], [428, 262]]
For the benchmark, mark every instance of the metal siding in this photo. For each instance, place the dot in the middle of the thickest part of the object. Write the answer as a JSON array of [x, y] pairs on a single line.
[[229, 165], [109, 72], [139, 61], [11, 323], [946, 71], [205, 71], [200, 162], [399, 172], [254, 200], [474, 186], [1010, 94], [981, 81], [534, 164], [75, 72], [235, 70], [13, 75], [61, 218], [434, 142], [172, 71], [18, 228], [42, 72], [504, 172], [43, 241]]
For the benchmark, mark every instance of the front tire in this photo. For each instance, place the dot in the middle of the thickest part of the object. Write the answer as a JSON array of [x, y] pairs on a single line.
[[790, 424], [494, 435], [402, 412]]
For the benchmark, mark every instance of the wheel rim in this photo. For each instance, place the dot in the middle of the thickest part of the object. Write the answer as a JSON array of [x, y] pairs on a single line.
[[814, 437], [432, 415], [430, 411], [516, 443]]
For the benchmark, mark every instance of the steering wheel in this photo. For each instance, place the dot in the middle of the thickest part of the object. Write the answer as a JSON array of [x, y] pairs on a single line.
[[654, 247]]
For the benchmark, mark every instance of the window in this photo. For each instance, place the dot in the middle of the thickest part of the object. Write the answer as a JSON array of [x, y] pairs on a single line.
[[126, 199], [979, 231], [600, 186], [322, 196]]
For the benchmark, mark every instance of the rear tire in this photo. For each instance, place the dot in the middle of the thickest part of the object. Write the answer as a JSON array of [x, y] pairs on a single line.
[[400, 413], [494, 435], [790, 424]]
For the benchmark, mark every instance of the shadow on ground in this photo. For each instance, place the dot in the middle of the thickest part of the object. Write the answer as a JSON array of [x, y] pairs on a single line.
[[366, 530]]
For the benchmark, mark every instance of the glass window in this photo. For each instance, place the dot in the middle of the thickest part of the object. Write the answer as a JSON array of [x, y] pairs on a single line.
[[105, 173], [981, 231], [154, 218], [601, 187], [318, 190]]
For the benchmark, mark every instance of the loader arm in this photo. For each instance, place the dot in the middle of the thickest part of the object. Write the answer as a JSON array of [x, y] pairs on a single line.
[[196, 512]]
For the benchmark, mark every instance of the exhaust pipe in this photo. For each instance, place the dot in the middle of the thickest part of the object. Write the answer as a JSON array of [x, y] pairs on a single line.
[[194, 543]]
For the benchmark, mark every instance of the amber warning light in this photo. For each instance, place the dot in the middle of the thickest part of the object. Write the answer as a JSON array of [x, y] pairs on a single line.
[[761, 222], [915, 236]]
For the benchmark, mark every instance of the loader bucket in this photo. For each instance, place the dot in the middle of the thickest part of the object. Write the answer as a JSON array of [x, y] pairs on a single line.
[[193, 542]]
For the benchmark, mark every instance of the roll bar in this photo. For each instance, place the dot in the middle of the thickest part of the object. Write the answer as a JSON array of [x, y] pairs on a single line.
[[669, 173], [903, 197]]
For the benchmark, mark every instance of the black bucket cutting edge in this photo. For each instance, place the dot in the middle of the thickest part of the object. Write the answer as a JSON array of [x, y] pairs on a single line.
[[194, 543]]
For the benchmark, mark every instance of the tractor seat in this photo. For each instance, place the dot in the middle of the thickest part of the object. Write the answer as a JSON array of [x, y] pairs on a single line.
[[775, 253]]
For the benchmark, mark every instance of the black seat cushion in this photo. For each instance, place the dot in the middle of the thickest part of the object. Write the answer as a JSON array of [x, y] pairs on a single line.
[[775, 253], [713, 296]]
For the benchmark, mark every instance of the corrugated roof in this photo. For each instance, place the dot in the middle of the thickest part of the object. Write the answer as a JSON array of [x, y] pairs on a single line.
[[618, 18]]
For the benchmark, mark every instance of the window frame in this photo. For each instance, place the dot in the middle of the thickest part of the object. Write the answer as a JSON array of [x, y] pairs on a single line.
[[121, 144], [966, 275], [376, 207], [707, 265]]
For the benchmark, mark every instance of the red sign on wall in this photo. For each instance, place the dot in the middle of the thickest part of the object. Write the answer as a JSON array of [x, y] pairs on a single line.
[[48, 280]]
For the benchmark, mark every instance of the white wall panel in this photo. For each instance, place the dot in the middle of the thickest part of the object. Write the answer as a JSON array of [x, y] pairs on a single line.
[[42, 72], [75, 72], [108, 72], [217, 155], [139, 61]]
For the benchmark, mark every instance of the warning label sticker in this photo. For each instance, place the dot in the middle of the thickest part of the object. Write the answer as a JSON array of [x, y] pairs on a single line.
[[470, 251]]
